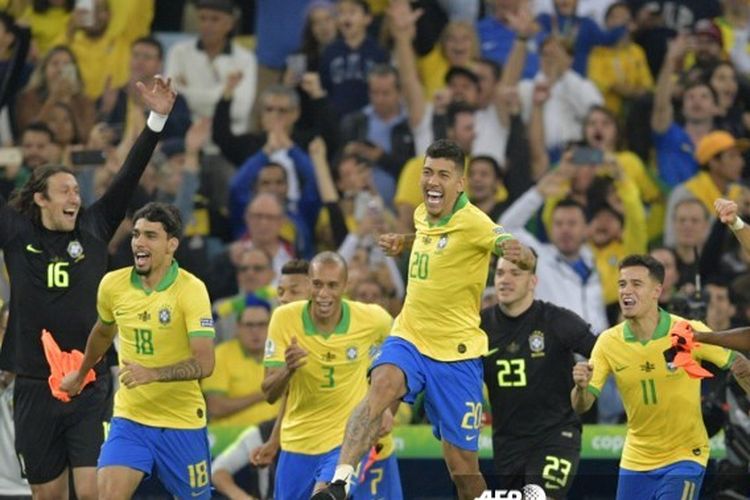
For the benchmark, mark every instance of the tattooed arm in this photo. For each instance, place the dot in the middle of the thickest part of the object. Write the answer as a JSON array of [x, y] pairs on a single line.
[[199, 366]]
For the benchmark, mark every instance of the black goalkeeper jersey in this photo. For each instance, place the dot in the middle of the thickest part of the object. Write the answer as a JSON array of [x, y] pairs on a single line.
[[54, 275], [529, 368]]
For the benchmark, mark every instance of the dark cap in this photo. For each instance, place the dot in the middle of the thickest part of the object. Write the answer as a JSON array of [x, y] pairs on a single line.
[[708, 28], [226, 6]]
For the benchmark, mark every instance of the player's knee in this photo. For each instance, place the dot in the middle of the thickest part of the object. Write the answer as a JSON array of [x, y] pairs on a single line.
[[387, 384], [461, 463]]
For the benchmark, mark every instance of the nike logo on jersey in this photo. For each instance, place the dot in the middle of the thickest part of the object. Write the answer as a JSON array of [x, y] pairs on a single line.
[[30, 248], [470, 438], [618, 369], [201, 492]]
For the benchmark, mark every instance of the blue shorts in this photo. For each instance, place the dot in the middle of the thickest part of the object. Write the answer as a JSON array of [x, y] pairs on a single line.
[[297, 473], [452, 390], [678, 481], [381, 482], [180, 458]]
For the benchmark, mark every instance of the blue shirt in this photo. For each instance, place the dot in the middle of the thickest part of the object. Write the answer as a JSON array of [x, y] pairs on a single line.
[[496, 41], [278, 29], [378, 130], [675, 155], [343, 73]]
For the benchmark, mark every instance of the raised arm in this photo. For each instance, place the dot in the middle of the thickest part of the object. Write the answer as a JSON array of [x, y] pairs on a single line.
[[403, 28], [662, 114], [726, 211], [113, 204], [236, 148]]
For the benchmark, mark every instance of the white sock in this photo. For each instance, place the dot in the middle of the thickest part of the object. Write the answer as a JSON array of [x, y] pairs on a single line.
[[343, 473]]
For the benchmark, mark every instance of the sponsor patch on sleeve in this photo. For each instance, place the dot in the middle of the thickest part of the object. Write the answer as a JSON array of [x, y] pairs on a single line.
[[207, 323]]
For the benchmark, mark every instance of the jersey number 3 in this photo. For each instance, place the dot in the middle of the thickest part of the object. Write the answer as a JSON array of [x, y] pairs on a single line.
[[57, 275]]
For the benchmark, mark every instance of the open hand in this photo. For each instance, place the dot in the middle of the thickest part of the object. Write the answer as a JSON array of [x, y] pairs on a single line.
[[160, 97]]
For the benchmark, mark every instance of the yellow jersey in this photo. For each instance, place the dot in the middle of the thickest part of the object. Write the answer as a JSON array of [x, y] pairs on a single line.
[[662, 403], [237, 374], [325, 391], [155, 329], [448, 269]]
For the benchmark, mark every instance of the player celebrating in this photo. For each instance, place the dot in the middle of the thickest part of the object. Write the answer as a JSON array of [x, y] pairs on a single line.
[[163, 315], [432, 348], [56, 255], [319, 349], [536, 435], [666, 447]]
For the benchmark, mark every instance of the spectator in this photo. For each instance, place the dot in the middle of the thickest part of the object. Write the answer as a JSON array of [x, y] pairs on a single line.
[[61, 121], [37, 149], [720, 157], [458, 46], [579, 34], [571, 96], [102, 48], [15, 70], [721, 308], [280, 110], [48, 20], [621, 71], [146, 57], [380, 130], [708, 46], [734, 23], [732, 113], [497, 36], [675, 144], [56, 79], [318, 32], [690, 220], [233, 395], [250, 272], [567, 262], [264, 217], [668, 259], [261, 174], [346, 62], [202, 68]]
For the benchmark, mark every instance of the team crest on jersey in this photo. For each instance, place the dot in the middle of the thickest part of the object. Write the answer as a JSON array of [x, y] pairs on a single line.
[[270, 348], [75, 250], [442, 242], [165, 315], [351, 353], [536, 343]]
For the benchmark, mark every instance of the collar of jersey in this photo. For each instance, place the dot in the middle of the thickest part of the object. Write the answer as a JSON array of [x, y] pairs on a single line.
[[461, 202], [341, 327], [165, 282], [662, 328]]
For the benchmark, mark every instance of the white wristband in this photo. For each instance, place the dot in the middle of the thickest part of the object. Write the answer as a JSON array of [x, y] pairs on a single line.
[[156, 121], [737, 224]]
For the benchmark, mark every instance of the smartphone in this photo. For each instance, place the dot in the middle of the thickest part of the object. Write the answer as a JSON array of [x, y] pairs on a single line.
[[297, 65], [88, 158], [10, 157], [87, 7], [587, 156]]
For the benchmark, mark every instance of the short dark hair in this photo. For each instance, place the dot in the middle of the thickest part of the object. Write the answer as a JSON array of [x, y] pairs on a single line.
[[488, 159], [296, 266], [22, 199], [497, 70], [614, 6], [40, 127], [151, 41], [42, 6], [570, 203], [384, 69], [455, 109], [362, 4], [9, 23], [655, 268], [691, 201], [701, 83], [168, 215], [458, 71], [448, 150]]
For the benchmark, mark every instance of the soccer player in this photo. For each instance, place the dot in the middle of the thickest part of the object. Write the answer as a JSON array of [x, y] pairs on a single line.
[[319, 350], [536, 435], [56, 255], [436, 343], [163, 316], [666, 447]]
